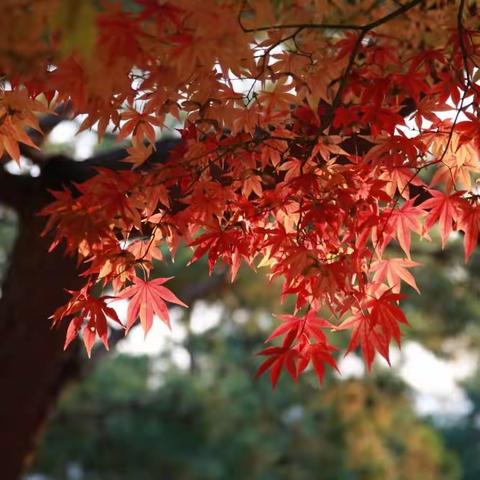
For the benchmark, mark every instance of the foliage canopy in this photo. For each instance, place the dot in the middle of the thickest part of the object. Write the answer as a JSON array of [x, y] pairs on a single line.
[[314, 135]]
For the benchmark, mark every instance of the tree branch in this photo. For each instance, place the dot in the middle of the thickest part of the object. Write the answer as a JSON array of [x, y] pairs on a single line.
[[14, 189], [334, 26], [364, 31], [59, 169]]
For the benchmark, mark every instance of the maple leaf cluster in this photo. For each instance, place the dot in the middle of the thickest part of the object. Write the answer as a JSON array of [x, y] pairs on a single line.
[[314, 137]]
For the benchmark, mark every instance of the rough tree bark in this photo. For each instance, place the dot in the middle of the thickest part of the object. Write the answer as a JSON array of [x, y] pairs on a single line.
[[33, 366]]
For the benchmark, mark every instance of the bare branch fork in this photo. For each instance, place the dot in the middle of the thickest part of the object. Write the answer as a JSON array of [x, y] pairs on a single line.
[[334, 26]]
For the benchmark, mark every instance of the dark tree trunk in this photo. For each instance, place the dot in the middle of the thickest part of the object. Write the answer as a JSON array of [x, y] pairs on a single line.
[[33, 365]]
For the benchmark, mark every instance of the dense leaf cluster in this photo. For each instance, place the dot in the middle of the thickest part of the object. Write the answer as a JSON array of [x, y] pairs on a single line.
[[314, 137]]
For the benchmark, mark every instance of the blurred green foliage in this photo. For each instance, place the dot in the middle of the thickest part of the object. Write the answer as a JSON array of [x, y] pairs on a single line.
[[463, 436]]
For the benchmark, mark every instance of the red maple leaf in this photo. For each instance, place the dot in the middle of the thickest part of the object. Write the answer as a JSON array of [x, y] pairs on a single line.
[[293, 327], [374, 327], [444, 209], [401, 222], [146, 299], [394, 270], [318, 354], [469, 223], [297, 351], [83, 307], [279, 357]]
